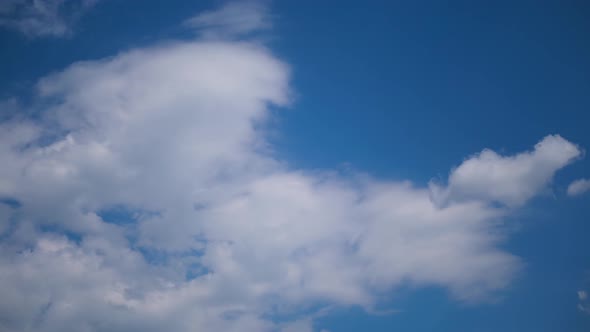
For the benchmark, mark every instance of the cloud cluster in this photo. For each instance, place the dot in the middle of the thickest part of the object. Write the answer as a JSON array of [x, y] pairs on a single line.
[[213, 233], [47, 18]]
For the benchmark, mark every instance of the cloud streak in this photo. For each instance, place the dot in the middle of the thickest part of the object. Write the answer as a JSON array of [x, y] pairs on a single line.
[[49, 18], [583, 302], [235, 19]]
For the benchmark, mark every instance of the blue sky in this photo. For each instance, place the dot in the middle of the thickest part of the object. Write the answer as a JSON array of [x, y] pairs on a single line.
[[294, 166]]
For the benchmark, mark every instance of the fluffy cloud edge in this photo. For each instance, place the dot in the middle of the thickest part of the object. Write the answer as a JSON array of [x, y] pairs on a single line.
[[508, 180]]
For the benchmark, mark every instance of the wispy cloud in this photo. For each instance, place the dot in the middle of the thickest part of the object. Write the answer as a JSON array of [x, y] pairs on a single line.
[[47, 18], [578, 187], [235, 19], [583, 305]]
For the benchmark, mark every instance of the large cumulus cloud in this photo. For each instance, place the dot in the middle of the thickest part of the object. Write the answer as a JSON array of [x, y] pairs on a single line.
[[215, 233]]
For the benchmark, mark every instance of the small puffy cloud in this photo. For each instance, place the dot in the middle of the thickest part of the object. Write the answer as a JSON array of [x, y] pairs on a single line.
[[235, 19], [49, 18], [582, 295], [578, 187], [509, 180]]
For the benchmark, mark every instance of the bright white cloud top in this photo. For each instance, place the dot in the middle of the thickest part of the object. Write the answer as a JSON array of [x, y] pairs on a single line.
[[223, 236]]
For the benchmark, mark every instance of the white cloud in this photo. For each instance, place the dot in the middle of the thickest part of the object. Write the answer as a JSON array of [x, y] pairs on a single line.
[[510, 180], [582, 302], [224, 235], [304, 325], [235, 19], [48, 18], [578, 187]]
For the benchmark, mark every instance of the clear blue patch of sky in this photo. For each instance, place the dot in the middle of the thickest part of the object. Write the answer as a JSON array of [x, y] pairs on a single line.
[[407, 90]]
